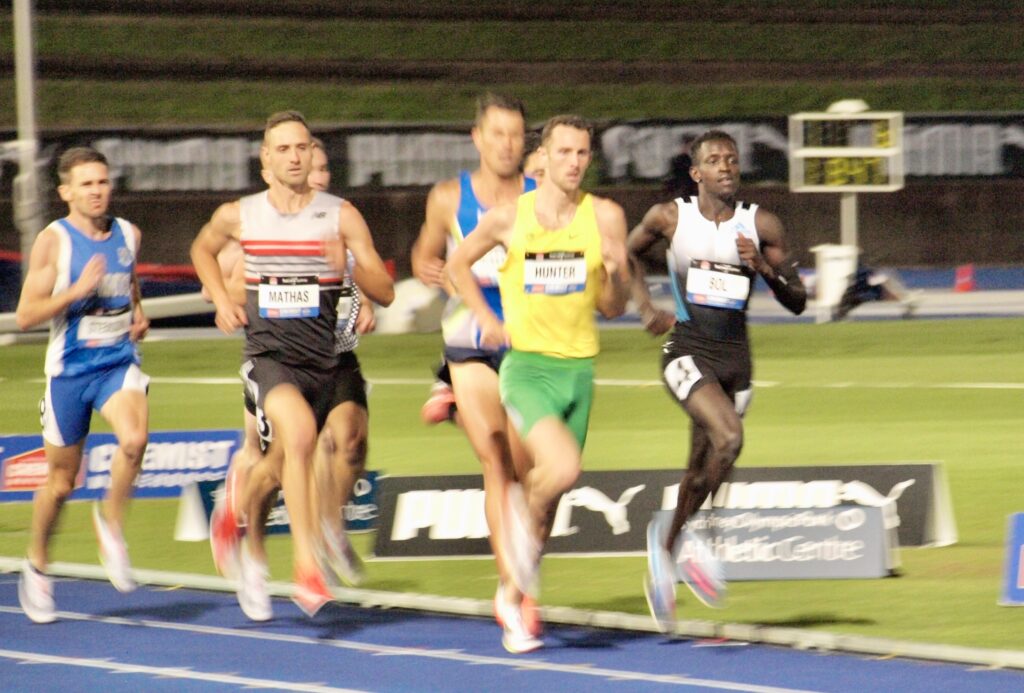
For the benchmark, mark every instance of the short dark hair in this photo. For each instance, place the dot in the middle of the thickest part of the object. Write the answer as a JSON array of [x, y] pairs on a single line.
[[76, 156], [280, 117], [710, 136], [569, 120], [502, 101]]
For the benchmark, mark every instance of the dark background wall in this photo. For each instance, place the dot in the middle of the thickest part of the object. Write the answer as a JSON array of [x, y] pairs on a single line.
[[926, 224]]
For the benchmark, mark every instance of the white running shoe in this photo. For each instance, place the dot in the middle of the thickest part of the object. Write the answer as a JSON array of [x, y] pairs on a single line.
[[252, 587], [340, 557], [701, 570], [521, 546], [113, 552], [660, 582], [516, 637], [35, 593]]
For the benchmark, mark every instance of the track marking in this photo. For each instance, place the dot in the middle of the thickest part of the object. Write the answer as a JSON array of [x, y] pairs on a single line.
[[170, 672], [417, 652]]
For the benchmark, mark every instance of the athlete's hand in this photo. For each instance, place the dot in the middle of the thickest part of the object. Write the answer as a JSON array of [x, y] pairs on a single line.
[[89, 279], [493, 334], [657, 321], [431, 272], [366, 321], [749, 254], [230, 316], [140, 325], [336, 255]]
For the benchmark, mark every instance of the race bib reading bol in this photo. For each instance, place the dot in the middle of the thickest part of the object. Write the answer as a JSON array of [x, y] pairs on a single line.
[[289, 297], [555, 273], [717, 284]]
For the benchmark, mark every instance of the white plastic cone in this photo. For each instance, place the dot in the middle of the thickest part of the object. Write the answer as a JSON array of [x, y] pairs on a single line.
[[192, 524]]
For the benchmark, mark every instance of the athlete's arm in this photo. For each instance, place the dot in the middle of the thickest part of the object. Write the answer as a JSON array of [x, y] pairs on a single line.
[[772, 262], [370, 274], [224, 225], [140, 324], [494, 228], [429, 250], [366, 321], [38, 303], [611, 223], [659, 223]]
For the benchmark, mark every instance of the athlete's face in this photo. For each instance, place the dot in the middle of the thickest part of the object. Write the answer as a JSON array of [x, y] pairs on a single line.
[[287, 154], [500, 137], [717, 168], [567, 155], [320, 176], [87, 190]]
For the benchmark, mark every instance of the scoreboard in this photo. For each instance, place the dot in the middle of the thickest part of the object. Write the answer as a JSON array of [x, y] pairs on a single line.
[[846, 152]]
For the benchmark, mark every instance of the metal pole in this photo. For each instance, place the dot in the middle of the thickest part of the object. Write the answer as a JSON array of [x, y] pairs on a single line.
[[28, 208], [848, 219]]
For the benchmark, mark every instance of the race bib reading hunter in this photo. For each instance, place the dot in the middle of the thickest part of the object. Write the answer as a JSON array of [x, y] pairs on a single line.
[[289, 297], [104, 329], [555, 273], [717, 284]]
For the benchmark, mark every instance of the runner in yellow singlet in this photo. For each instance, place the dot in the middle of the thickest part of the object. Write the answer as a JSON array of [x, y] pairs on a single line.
[[566, 258]]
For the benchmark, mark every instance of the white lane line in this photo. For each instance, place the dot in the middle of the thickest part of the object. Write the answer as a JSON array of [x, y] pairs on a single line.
[[169, 672], [423, 652]]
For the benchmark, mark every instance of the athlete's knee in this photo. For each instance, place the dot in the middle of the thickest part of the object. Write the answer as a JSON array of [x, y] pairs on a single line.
[[133, 446], [727, 441], [60, 486], [564, 476]]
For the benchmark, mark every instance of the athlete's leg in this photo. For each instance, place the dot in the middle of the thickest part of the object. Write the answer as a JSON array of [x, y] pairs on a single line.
[[127, 412], [486, 426], [258, 495], [716, 441], [556, 458], [294, 430], [62, 467], [340, 459]]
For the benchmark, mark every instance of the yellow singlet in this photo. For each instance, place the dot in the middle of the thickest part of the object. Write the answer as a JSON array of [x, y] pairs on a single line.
[[550, 283]]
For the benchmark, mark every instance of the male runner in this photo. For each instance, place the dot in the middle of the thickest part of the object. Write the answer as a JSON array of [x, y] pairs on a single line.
[[295, 240], [81, 278], [454, 208], [717, 247], [565, 259]]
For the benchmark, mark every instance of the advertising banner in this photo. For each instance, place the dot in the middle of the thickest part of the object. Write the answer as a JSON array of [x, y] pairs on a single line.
[[172, 460], [607, 512]]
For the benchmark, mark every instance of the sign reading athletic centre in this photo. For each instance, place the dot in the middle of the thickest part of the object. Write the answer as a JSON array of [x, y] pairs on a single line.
[[172, 460], [607, 512]]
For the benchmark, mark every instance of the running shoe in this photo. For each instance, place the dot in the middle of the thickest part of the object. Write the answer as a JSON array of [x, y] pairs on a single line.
[[701, 571], [516, 637], [113, 552], [35, 593], [225, 534], [521, 547], [440, 406], [311, 592], [252, 587], [340, 557], [660, 582]]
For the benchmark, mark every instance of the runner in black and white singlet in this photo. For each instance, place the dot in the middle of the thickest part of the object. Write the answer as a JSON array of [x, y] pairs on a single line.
[[717, 248], [295, 241]]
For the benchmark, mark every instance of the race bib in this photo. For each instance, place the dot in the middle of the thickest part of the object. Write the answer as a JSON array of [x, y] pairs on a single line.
[[486, 268], [104, 329], [717, 284], [555, 273], [289, 297]]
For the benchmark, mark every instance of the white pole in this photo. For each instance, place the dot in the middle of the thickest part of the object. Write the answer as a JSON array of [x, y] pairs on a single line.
[[848, 219], [28, 208]]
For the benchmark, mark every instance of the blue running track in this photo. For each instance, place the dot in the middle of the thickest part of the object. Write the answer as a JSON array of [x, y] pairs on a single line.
[[159, 639]]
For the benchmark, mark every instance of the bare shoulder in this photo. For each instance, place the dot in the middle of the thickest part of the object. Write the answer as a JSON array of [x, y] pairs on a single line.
[[445, 194], [769, 226], [608, 211]]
